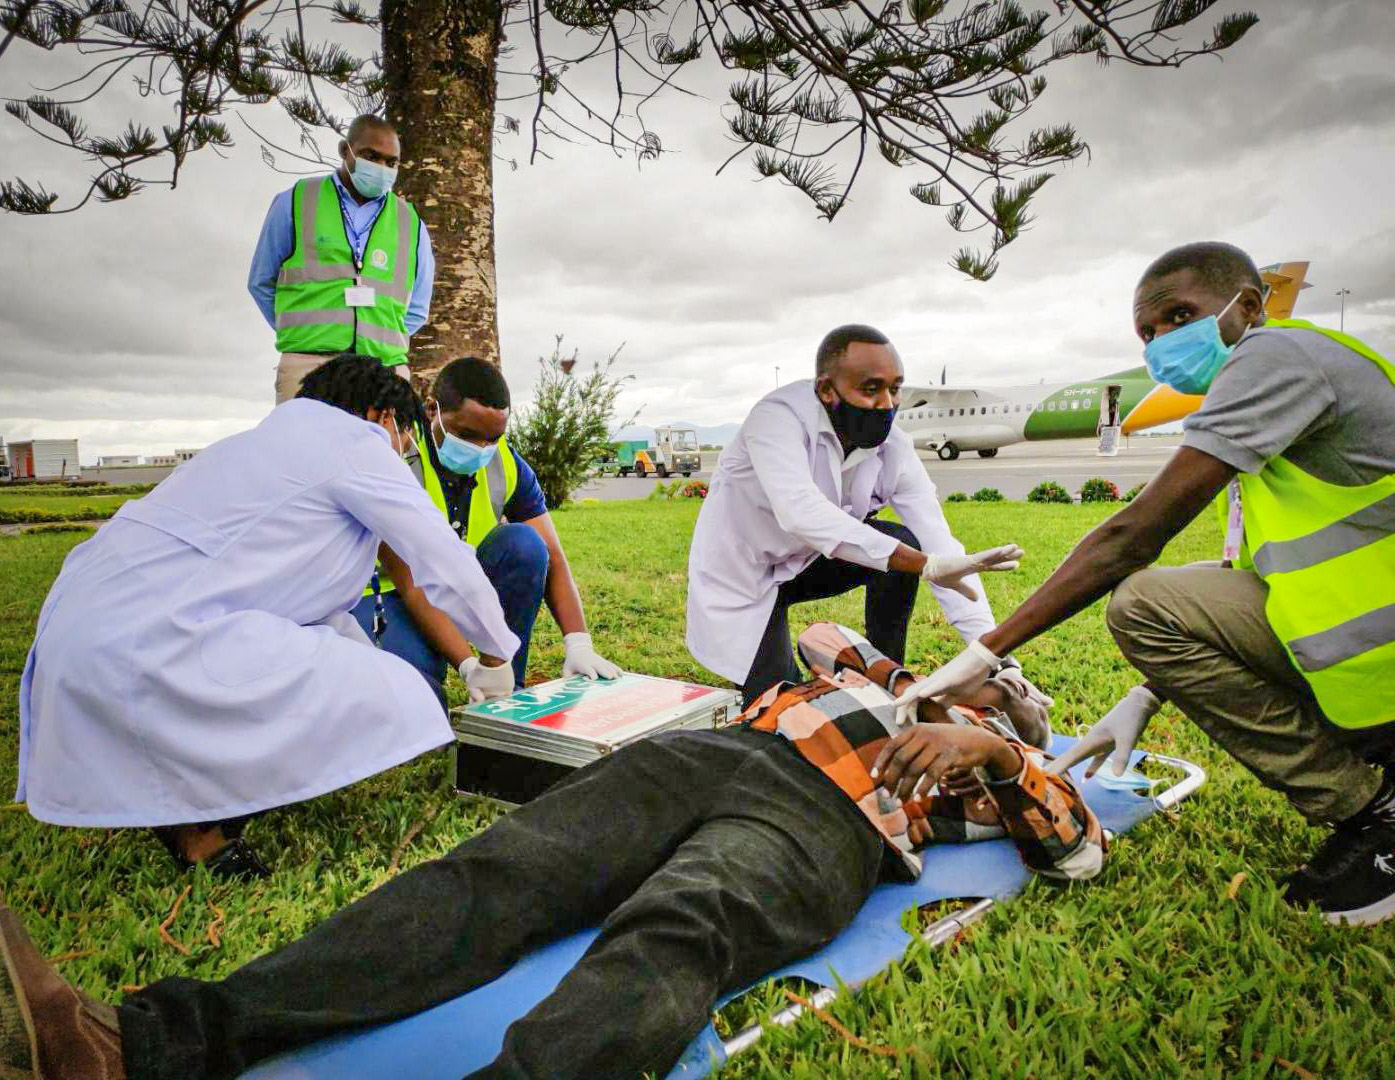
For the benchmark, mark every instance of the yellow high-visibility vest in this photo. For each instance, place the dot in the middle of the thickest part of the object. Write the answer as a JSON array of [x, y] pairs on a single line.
[[312, 313], [1327, 554], [494, 487]]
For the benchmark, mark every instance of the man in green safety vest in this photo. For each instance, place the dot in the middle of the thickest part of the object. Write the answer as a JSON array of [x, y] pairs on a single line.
[[343, 264], [1284, 651], [491, 497]]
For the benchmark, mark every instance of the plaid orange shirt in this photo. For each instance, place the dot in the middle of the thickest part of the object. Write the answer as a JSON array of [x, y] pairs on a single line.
[[840, 720]]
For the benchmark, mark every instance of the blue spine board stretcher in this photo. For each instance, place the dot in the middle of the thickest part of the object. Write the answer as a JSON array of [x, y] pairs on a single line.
[[460, 1036]]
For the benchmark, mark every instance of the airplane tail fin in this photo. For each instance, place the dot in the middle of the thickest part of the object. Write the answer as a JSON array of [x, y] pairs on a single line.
[[1283, 282]]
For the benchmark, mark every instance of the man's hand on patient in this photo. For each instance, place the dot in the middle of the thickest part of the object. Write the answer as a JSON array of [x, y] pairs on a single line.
[[950, 570], [1113, 737], [951, 683], [923, 754]]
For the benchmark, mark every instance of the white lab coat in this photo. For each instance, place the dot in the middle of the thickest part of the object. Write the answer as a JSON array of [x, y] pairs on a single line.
[[195, 660], [779, 499]]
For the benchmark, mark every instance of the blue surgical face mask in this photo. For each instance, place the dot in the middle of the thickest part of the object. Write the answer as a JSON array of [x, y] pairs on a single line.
[[371, 179], [459, 456], [1188, 358]]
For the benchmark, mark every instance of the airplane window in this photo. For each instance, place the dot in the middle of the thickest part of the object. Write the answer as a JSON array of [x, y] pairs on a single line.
[[961, 412], [1051, 405], [1075, 403]]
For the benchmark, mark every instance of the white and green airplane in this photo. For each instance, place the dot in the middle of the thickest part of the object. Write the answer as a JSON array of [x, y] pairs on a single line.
[[949, 420]]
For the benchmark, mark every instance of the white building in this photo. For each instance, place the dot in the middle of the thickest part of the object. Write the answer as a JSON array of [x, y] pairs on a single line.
[[44, 458], [109, 460]]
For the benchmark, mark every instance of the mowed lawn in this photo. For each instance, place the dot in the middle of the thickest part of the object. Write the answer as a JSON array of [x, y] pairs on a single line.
[[1180, 960]]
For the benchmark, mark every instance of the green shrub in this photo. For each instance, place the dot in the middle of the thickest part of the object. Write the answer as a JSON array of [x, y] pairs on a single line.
[[666, 491], [1098, 489], [987, 494], [1132, 493], [28, 515], [957, 496], [1048, 491]]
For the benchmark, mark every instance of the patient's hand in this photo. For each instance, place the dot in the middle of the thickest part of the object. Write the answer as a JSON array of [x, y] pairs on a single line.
[[930, 751]]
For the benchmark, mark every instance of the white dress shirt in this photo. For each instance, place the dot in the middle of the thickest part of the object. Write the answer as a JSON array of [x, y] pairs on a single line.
[[195, 660], [783, 494]]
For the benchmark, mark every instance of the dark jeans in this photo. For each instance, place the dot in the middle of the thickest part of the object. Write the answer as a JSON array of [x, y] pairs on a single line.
[[707, 858], [514, 559], [890, 601]]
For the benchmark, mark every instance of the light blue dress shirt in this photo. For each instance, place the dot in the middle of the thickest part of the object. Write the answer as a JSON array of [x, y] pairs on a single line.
[[277, 241]]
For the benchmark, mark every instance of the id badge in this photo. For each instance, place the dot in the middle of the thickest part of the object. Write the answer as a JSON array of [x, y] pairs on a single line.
[[360, 296], [1234, 523]]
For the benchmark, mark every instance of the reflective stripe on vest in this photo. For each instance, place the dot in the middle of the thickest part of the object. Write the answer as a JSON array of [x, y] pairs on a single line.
[[498, 480], [1327, 554], [311, 313]]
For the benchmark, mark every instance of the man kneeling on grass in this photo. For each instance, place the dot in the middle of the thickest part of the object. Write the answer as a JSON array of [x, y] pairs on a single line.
[[708, 859]]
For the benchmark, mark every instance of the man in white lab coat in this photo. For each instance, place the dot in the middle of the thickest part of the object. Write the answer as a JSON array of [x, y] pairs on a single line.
[[790, 517], [196, 662]]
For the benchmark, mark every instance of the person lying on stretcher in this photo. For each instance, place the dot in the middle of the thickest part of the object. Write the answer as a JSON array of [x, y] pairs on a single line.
[[708, 858]]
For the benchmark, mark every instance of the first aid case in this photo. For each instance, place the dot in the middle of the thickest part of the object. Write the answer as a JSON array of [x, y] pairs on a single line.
[[514, 748]]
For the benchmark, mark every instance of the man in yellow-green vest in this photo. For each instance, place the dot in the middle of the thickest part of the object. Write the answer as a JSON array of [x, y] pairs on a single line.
[[492, 498], [343, 264], [1283, 652]]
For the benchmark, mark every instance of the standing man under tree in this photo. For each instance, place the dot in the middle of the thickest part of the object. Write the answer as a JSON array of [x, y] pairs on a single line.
[[342, 264]]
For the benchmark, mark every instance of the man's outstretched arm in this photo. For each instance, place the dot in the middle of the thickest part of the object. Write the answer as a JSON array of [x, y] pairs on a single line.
[[1129, 541]]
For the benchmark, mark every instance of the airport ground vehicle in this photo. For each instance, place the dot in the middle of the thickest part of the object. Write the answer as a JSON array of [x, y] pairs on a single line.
[[674, 450]]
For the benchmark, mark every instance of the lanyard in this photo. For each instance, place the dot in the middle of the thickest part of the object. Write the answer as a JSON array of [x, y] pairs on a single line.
[[1234, 523], [379, 611]]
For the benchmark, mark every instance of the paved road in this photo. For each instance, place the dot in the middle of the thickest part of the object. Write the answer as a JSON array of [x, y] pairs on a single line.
[[1070, 462], [1014, 472]]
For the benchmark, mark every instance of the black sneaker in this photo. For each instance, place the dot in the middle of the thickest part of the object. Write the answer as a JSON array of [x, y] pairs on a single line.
[[1351, 878]]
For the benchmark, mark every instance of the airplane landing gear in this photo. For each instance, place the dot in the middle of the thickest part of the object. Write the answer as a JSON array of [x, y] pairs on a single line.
[[949, 452], [988, 453]]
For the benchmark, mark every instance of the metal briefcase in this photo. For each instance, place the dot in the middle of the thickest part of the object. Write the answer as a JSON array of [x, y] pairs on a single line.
[[516, 747]]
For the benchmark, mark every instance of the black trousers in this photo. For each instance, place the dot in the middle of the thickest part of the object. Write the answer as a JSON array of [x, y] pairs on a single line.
[[707, 858], [890, 601]]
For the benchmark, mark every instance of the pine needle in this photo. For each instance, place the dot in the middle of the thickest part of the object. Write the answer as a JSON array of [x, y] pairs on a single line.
[[215, 938], [845, 1034], [1297, 1070], [165, 934]]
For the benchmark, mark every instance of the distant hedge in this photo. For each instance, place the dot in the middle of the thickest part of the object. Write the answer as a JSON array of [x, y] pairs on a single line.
[[957, 496], [1048, 491], [988, 494], [1098, 489]]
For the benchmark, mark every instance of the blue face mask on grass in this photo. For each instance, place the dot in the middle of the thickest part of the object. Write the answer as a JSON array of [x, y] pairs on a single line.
[[1189, 358], [461, 457]]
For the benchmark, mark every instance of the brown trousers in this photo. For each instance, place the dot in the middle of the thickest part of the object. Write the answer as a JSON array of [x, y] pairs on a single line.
[[294, 366], [1200, 635]]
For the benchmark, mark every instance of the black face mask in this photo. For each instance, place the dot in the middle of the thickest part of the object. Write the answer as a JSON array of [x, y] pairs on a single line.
[[861, 428]]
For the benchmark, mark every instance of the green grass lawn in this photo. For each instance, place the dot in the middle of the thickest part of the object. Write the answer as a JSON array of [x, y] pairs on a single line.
[[1150, 970]]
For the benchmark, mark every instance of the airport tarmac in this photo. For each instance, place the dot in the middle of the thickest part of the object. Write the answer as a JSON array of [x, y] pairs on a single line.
[[1014, 472]]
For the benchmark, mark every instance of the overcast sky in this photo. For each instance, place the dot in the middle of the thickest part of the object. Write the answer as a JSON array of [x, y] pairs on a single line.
[[129, 326]]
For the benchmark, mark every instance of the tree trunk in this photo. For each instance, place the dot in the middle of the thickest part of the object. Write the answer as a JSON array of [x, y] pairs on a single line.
[[438, 66]]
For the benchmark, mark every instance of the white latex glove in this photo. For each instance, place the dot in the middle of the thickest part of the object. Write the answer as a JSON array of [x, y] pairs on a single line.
[[950, 570], [950, 682], [583, 659], [1013, 676], [484, 682], [1113, 737]]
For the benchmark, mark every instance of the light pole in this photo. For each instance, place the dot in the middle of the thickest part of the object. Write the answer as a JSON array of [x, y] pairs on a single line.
[[777, 376], [1343, 294]]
